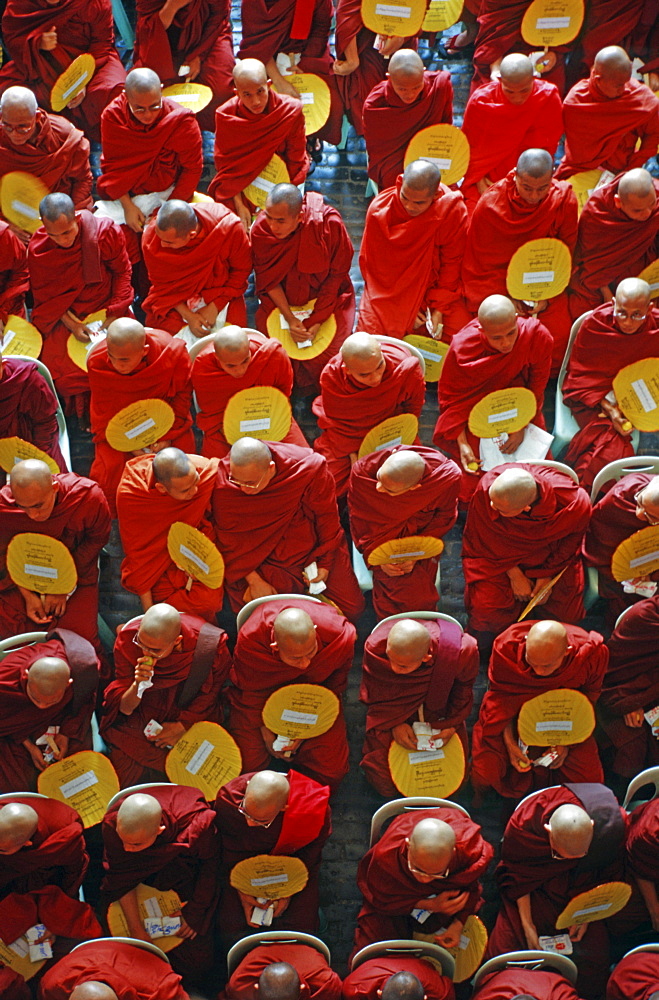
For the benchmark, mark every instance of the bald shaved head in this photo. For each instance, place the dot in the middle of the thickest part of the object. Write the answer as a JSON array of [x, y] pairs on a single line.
[[636, 196], [93, 990], [402, 471], [18, 98], [139, 821], [422, 175], [406, 62], [230, 340], [406, 75], [546, 647], [513, 491], [431, 848], [295, 638], [613, 62], [279, 981], [638, 182], [516, 68], [249, 71], [169, 464], [403, 986], [47, 681], [633, 300], [30, 472], [178, 216], [34, 488], [161, 621], [634, 291], [360, 347], [18, 824], [250, 451], [126, 333], [570, 831], [496, 311], [54, 206], [408, 645], [285, 194], [535, 163], [266, 794], [141, 81]]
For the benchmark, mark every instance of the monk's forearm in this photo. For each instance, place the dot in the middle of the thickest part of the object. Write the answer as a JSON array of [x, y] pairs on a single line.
[[167, 13], [524, 910], [131, 908], [129, 700], [146, 600], [279, 298]]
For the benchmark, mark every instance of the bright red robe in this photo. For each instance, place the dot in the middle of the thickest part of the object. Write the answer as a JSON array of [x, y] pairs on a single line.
[[643, 840], [635, 976], [367, 981], [133, 973], [510, 983], [429, 509], [70, 920], [164, 373], [316, 978], [14, 281], [28, 408], [13, 986], [56, 855], [258, 671]]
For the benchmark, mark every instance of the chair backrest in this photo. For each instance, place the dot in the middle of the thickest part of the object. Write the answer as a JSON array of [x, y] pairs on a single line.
[[538, 791], [621, 616], [148, 787], [574, 330], [533, 961], [137, 943], [246, 944], [428, 615], [651, 946], [251, 606], [548, 463], [398, 806], [410, 347], [61, 422], [405, 948], [18, 641], [198, 346], [12, 796], [648, 777], [623, 467]]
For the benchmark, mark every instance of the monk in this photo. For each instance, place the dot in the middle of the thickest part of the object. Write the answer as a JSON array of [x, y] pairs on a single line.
[[288, 642], [187, 661], [303, 255], [365, 383], [527, 204], [414, 671], [497, 350], [14, 281], [499, 33], [528, 659], [611, 121], [428, 864], [397, 977], [132, 364], [71, 509], [249, 129], [41, 844], [525, 524], [109, 970], [503, 118], [302, 969], [237, 359], [277, 526], [635, 977], [269, 813], [617, 334], [641, 851], [410, 99], [28, 407], [166, 838], [154, 492], [414, 240], [396, 493], [198, 259], [47, 695], [539, 983], [558, 843], [617, 237]]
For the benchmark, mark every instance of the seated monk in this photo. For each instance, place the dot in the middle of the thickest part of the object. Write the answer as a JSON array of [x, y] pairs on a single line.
[[249, 129], [410, 99], [302, 251], [187, 661], [28, 407], [611, 121], [131, 364], [67, 507], [47, 689], [291, 642], [173, 830], [524, 525], [283, 970], [360, 387], [641, 850], [503, 118], [430, 860], [269, 813], [497, 350], [500, 34], [43, 40], [617, 334], [395, 493], [14, 281], [154, 492], [528, 659], [634, 977], [199, 260], [527, 204], [545, 840], [414, 671], [87, 255], [275, 520], [397, 977], [410, 257], [237, 359], [516, 981], [617, 236]]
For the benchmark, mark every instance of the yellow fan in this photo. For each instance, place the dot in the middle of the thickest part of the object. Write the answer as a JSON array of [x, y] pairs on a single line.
[[300, 711], [259, 412], [651, 275], [540, 269], [153, 903], [442, 14], [389, 433], [72, 81], [446, 146], [504, 410], [598, 903], [637, 555], [432, 351], [428, 772], [16, 956], [279, 330], [274, 172], [86, 781], [15, 449], [269, 876], [20, 337], [199, 197], [636, 388], [583, 184], [20, 195], [557, 718], [41, 564], [195, 554], [76, 349], [205, 757], [315, 96], [139, 424], [191, 95], [394, 17], [552, 22], [413, 547], [469, 953]]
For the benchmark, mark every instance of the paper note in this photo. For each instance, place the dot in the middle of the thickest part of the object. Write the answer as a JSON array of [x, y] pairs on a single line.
[[644, 395], [592, 909], [71, 788], [140, 428], [392, 10], [389, 444], [495, 418], [189, 554], [269, 880], [306, 718], [199, 757], [420, 757], [255, 425], [545, 23], [564, 725], [641, 560], [537, 277]]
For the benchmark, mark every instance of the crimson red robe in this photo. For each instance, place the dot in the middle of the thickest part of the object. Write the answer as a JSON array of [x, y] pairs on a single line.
[[643, 841], [598, 354], [431, 508], [541, 542], [348, 410], [131, 972], [13, 986], [70, 920], [82, 26], [316, 978], [277, 532], [512, 684], [14, 281], [443, 687], [635, 977], [163, 373], [214, 265], [28, 407], [610, 247], [213, 388], [56, 854], [299, 831], [134, 757], [391, 892], [145, 517], [390, 123], [609, 22], [313, 262], [368, 979], [258, 671], [81, 520], [510, 983], [499, 32], [411, 264]]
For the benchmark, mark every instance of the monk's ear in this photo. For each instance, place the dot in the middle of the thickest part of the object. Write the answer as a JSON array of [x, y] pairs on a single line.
[[274, 647], [161, 829], [546, 827], [427, 658], [177, 644], [160, 489], [410, 489], [70, 680], [616, 201]]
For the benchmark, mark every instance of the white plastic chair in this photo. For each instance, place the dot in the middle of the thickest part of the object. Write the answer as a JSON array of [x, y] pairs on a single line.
[[565, 426], [538, 791], [149, 786], [199, 345], [623, 467], [143, 945], [549, 463], [622, 615], [362, 572], [12, 796], [533, 961], [61, 422], [428, 615], [398, 806], [251, 606], [651, 946], [402, 948], [648, 777], [410, 347], [14, 642], [247, 944]]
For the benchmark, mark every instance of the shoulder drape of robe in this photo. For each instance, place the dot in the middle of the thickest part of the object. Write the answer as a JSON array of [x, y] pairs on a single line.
[[510, 983], [366, 981], [317, 979], [632, 680], [14, 281], [56, 856], [613, 519], [28, 407]]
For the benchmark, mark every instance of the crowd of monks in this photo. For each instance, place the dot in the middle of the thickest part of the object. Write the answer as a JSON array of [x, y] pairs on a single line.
[[300, 521]]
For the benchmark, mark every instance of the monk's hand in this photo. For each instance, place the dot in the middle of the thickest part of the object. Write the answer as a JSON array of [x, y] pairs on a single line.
[[320, 577], [78, 99], [392, 569], [34, 608], [404, 736], [48, 40], [520, 584], [258, 587], [517, 757], [560, 760], [312, 331], [62, 743], [353, 456], [620, 423], [269, 738], [483, 184], [209, 314], [577, 931], [284, 87], [388, 44], [420, 319], [344, 67], [159, 446], [36, 755], [653, 84], [450, 938], [531, 935], [54, 605], [135, 217], [185, 931], [468, 460], [541, 582], [194, 66], [281, 905], [515, 438], [450, 902], [169, 735], [243, 213], [634, 719], [199, 326], [298, 330], [143, 671]]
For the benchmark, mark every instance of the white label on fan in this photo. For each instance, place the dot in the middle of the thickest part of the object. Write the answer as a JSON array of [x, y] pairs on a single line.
[[48, 571], [537, 277], [201, 754], [140, 428], [255, 425], [495, 418], [562, 725], [644, 395], [189, 554], [305, 718]]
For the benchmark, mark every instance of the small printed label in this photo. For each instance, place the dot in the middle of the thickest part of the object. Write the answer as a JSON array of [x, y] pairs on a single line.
[[140, 428], [545, 23], [255, 425], [152, 907], [392, 10], [440, 162], [592, 909], [262, 184], [644, 395], [76, 83], [537, 277], [305, 718], [71, 788], [20, 206], [20, 947], [654, 285], [189, 554], [307, 97], [421, 756], [201, 754], [9, 336], [464, 942], [563, 725], [50, 572], [495, 418], [428, 355], [186, 98], [389, 444], [641, 560], [408, 555], [269, 880]]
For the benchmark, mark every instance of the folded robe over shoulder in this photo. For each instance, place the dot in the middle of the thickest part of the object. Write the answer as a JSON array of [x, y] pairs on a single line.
[[510, 983], [635, 976], [367, 981], [56, 854], [643, 841], [28, 407], [14, 281], [316, 978]]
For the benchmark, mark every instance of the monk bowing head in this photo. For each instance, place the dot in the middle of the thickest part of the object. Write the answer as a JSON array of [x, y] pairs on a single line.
[[232, 350], [405, 74], [636, 195], [533, 175], [176, 224], [139, 822], [126, 344], [58, 216], [279, 981], [363, 359], [266, 795], [175, 474], [647, 502], [144, 95], [497, 318], [18, 109], [34, 488], [283, 210], [513, 492], [631, 304], [159, 633], [546, 647], [48, 679], [570, 831], [419, 187], [430, 849], [402, 986], [400, 473], [408, 646], [516, 77], [252, 85], [611, 72], [18, 824], [294, 638], [93, 990], [251, 466]]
